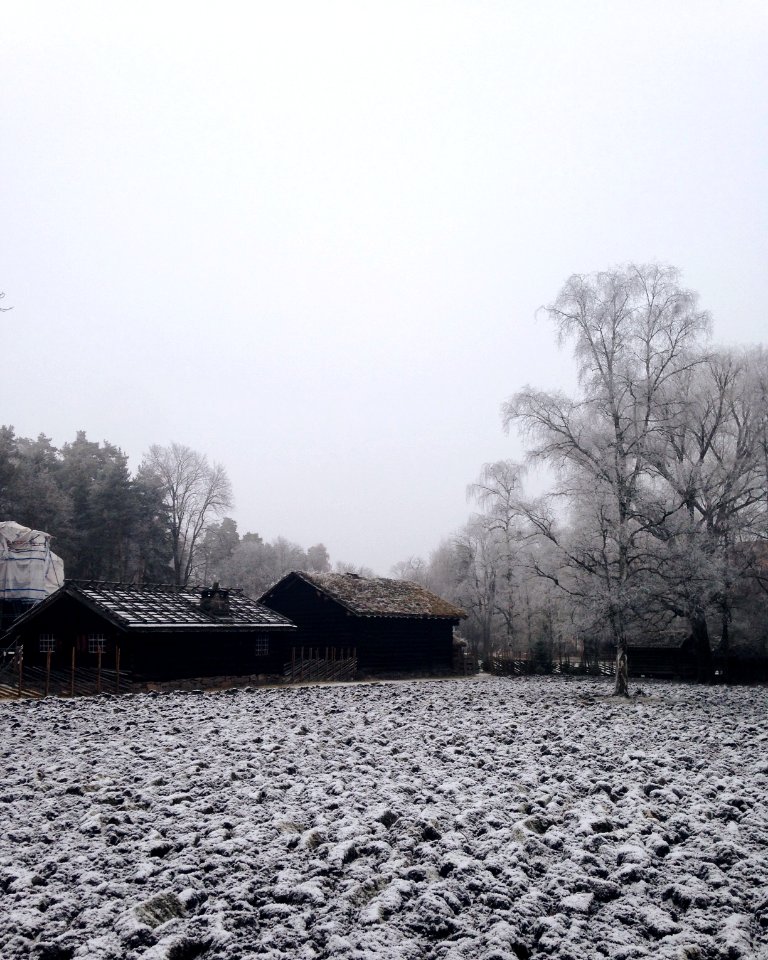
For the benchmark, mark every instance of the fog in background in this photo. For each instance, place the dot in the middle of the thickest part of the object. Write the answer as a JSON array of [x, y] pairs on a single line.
[[310, 239]]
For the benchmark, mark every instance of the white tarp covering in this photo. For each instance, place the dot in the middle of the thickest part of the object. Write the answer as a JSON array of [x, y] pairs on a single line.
[[28, 568]]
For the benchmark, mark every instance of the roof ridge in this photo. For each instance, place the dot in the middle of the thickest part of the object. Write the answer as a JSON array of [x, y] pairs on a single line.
[[94, 584], [378, 596]]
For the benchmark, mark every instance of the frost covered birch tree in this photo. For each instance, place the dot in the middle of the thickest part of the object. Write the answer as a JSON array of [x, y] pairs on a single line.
[[194, 492], [634, 330], [497, 491], [708, 460], [473, 562]]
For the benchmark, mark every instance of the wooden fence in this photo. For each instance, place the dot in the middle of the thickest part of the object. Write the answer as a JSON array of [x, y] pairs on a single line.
[[316, 664], [464, 663], [519, 665], [18, 679]]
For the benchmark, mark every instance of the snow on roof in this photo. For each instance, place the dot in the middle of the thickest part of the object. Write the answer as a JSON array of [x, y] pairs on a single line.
[[164, 606], [382, 597]]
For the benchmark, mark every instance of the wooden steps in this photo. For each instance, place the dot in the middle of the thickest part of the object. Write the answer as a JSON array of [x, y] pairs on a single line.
[[322, 665]]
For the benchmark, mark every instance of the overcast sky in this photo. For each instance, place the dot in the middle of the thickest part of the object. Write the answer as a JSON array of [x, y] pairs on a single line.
[[310, 239]]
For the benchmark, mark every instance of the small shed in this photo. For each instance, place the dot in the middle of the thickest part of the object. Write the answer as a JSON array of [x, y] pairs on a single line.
[[395, 626], [154, 632], [666, 656]]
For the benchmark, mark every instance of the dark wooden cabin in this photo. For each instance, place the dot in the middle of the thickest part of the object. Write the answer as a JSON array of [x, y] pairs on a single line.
[[157, 632], [667, 657], [395, 626], [741, 656]]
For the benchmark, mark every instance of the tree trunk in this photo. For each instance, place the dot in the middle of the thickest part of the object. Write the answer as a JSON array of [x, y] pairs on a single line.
[[621, 687], [725, 636], [725, 642], [700, 633]]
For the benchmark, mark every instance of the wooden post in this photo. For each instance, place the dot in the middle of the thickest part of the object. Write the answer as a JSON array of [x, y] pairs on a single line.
[[47, 672], [293, 664], [302, 663], [20, 659], [72, 673], [98, 671], [117, 668]]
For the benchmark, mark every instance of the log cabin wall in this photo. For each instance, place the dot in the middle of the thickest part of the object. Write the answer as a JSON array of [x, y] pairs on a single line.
[[179, 655], [156, 655], [70, 625], [405, 644], [670, 663], [384, 644]]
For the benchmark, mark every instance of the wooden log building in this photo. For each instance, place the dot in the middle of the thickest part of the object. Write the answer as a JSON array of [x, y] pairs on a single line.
[[395, 626], [666, 657], [152, 632]]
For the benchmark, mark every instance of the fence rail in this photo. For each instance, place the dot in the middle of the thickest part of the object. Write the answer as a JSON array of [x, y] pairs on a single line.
[[18, 679], [319, 664], [38, 682], [516, 665]]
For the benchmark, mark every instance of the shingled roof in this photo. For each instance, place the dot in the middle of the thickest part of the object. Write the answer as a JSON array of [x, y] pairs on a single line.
[[161, 607], [379, 596]]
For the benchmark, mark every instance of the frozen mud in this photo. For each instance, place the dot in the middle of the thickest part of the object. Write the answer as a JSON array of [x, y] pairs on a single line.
[[480, 819]]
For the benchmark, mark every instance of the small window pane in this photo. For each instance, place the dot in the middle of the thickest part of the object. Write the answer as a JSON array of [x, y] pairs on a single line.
[[47, 643], [96, 643], [262, 647]]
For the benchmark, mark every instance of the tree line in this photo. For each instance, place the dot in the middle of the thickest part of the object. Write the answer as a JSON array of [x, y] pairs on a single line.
[[105, 523], [655, 521], [164, 524]]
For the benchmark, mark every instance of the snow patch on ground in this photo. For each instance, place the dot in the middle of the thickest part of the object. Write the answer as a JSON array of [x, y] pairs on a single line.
[[449, 820]]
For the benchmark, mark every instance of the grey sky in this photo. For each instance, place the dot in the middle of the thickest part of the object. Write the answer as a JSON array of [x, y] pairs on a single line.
[[309, 239]]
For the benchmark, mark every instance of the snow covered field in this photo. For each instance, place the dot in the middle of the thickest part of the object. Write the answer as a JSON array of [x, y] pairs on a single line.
[[494, 819]]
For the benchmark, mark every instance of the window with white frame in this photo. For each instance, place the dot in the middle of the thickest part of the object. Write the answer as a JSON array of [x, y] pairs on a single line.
[[47, 643], [96, 642], [261, 647]]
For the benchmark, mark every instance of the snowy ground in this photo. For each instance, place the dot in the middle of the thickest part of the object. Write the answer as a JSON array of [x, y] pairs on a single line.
[[481, 819]]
